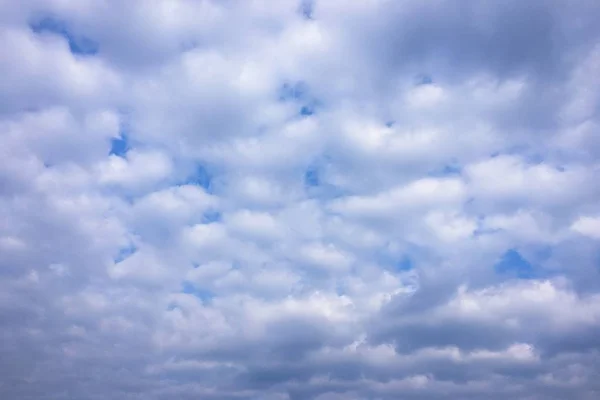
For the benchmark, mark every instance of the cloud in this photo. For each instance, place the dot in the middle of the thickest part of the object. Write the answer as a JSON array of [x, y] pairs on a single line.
[[299, 200], [587, 226]]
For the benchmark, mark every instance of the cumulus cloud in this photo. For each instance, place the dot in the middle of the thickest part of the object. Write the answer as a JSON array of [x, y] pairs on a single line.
[[297, 200]]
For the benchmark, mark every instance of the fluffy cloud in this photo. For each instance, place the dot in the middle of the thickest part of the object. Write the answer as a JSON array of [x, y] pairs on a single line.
[[296, 200]]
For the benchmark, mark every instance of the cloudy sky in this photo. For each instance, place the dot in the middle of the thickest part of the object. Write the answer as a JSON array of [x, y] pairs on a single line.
[[294, 200]]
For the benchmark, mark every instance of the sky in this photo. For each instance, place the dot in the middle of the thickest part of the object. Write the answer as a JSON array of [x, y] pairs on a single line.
[[299, 200]]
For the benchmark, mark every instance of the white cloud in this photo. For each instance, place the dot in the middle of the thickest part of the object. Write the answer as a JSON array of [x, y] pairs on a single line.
[[415, 196], [587, 226], [326, 256], [137, 170], [309, 206]]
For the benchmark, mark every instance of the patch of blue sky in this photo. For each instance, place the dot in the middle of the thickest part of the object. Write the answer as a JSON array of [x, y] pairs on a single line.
[[446, 170], [311, 177], [404, 264], [317, 188], [451, 170], [119, 146], [340, 289], [201, 293], [310, 106], [125, 253], [210, 217], [201, 176], [397, 260], [299, 93], [307, 110], [514, 264], [394, 262], [293, 91], [481, 229], [424, 79], [78, 44], [531, 158]]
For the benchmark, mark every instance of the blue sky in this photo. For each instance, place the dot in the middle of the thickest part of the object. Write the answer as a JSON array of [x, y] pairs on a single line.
[[290, 200]]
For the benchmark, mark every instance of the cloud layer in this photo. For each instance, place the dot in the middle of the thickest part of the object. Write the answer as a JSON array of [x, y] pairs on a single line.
[[287, 200]]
